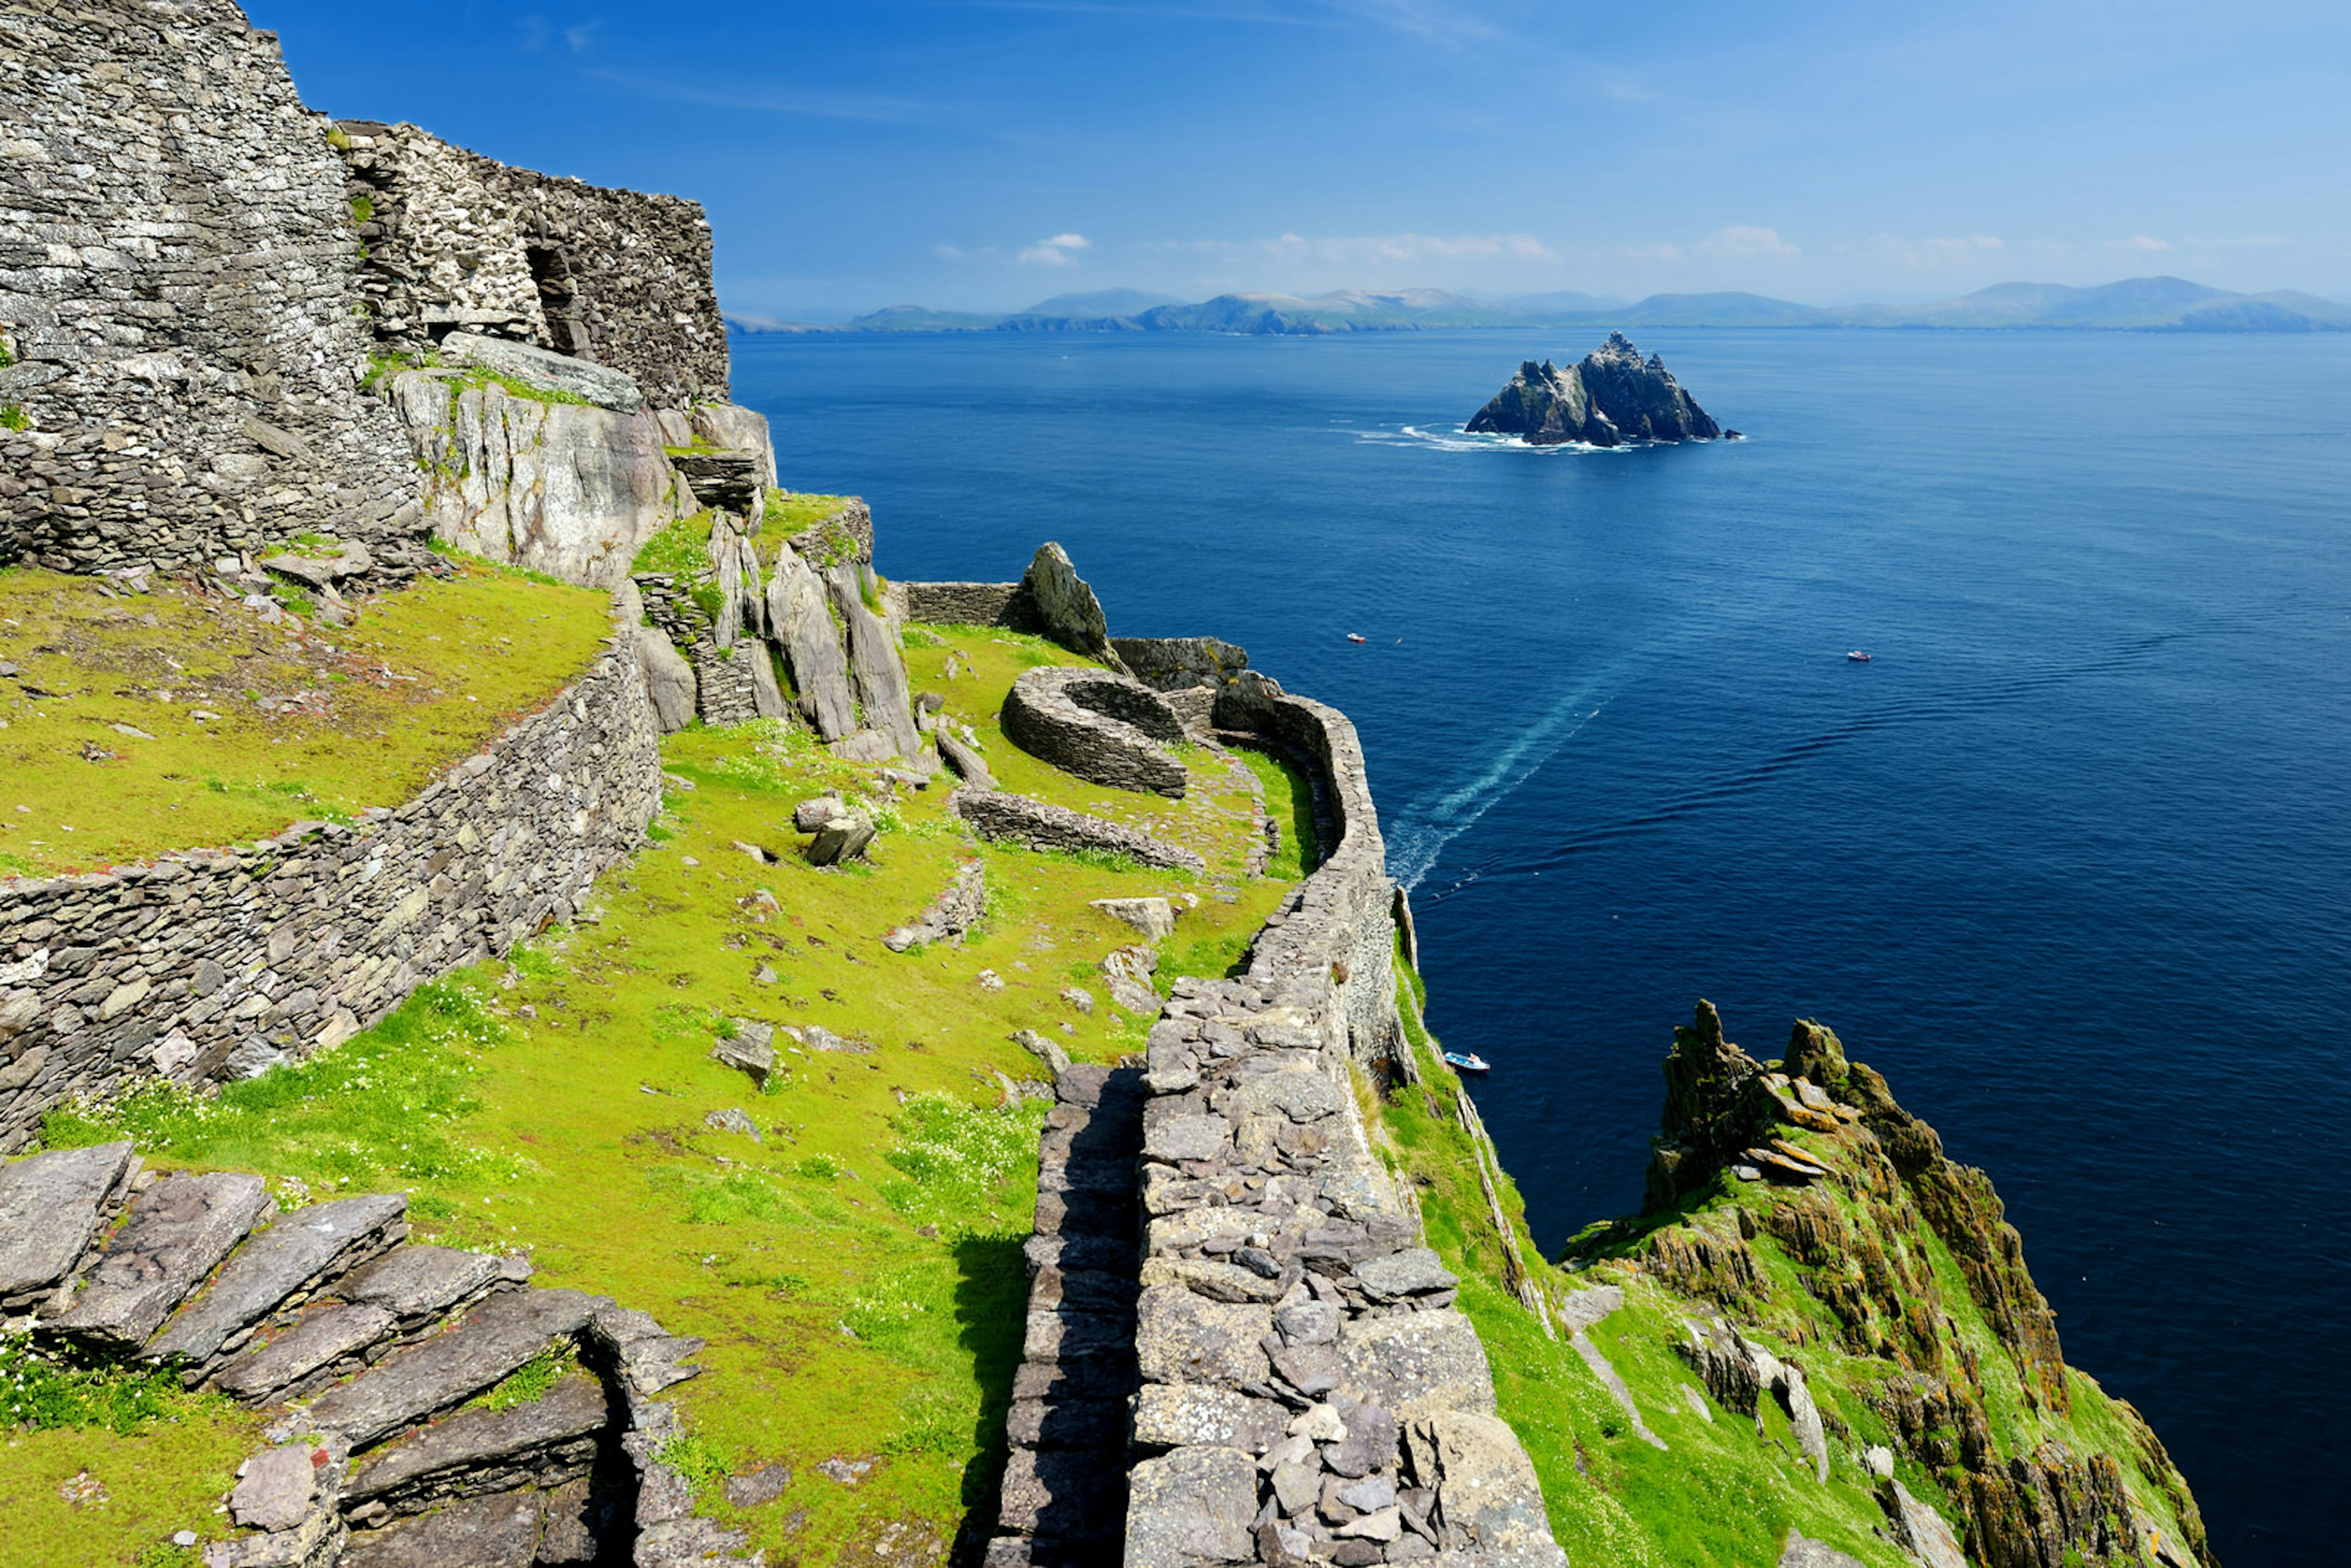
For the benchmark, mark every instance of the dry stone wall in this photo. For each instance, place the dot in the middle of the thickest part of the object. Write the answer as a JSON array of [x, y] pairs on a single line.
[[457, 240], [218, 964], [1304, 1388], [176, 291]]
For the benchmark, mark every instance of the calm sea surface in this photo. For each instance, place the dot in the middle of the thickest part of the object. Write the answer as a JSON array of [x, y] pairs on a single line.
[[2067, 860]]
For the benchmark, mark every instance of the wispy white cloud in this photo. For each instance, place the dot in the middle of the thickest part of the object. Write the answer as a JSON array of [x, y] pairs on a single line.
[[2147, 242], [1060, 250], [1747, 240]]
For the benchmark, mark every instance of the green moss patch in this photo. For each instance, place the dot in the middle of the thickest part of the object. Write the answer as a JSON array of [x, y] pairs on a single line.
[[143, 723]]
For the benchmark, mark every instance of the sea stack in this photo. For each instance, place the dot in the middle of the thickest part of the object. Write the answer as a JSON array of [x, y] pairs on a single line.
[[1610, 397]]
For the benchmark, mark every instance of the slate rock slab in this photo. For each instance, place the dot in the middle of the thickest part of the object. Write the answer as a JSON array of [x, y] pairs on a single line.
[[1182, 1338], [297, 1253], [322, 1340], [450, 1368], [177, 1233], [50, 1210], [497, 1531], [538, 1442], [416, 1284], [1417, 1363], [276, 1488], [1416, 1271]]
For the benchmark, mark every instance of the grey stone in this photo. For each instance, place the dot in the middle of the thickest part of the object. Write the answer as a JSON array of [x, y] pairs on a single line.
[[51, 1207], [1308, 1322], [177, 1233], [548, 370], [1175, 1138], [802, 627], [1040, 825], [1216, 1280], [1799, 1552], [1050, 1052], [843, 839], [418, 1283], [965, 763], [1879, 1460], [1107, 729], [1154, 917], [1182, 1338], [1486, 1488], [1312, 1369], [452, 1367], [668, 679], [297, 1253], [733, 1120], [276, 1488], [875, 669], [1191, 1506], [757, 1487], [1179, 1415], [1413, 1272], [1578, 1309], [1417, 1363], [751, 1049], [526, 1441], [1128, 971], [766, 692], [351, 560], [1303, 1095], [1919, 1529], [1368, 1443], [499, 1531], [325, 1337], [1296, 1486], [810, 816], [1065, 606]]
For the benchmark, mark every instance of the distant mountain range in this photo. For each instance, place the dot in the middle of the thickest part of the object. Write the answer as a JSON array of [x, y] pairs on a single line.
[[2135, 304]]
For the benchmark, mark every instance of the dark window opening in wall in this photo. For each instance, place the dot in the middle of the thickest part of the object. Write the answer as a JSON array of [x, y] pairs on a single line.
[[558, 300]]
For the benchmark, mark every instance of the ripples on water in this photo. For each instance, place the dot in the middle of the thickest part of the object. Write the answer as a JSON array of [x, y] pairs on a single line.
[[2067, 859]]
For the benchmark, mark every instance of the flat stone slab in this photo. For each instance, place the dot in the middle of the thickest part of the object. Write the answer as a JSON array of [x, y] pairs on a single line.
[[418, 1283], [177, 1233], [1189, 1505], [450, 1368], [497, 1531], [297, 1253], [521, 1438], [1416, 1271], [1419, 1364], [51, 1208], [328, 1336], [546, 370]]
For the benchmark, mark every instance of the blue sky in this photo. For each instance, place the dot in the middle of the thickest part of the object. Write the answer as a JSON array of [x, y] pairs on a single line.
[[985, 154]]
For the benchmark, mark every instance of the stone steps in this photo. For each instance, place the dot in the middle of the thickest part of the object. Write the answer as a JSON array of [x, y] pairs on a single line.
[[368, 1353], [1064, 1492]]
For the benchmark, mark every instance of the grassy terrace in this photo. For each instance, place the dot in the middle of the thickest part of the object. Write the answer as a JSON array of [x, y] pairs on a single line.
[[856, 1269], [170, 720]]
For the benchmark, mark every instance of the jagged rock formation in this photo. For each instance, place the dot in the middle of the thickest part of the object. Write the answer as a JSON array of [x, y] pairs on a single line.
[[1864, 1204], [1050, 601], [368, 1352], [1608, 398]]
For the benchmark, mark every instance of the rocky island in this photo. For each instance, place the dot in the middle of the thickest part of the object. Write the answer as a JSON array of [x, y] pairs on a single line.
[[764, 1064], [1608, 398]]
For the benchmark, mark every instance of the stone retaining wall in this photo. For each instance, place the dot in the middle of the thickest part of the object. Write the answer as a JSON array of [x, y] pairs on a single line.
[[1034, 824], [176, 289], [215, 964], [960, 603]]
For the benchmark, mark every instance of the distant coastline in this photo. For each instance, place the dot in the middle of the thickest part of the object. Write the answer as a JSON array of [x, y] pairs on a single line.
[[2133, 305]]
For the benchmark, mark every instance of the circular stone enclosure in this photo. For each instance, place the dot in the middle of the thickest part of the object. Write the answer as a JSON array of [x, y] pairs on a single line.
[[1105, 729]]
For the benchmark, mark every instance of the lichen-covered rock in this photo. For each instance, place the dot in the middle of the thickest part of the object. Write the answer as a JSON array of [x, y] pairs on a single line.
[[562, 488], [51, 1207], [546, 370], [802, 627], [1064, 606], [1492, 1503], [178, 1232], [876, 671], [668, 679], [1190, 1507]]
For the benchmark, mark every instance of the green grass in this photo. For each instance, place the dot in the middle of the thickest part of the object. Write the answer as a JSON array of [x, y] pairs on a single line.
[[858, 1270], [14, 417], [788, 515], [682, 549], [160, 1458], [357, 717], [1289, 802]]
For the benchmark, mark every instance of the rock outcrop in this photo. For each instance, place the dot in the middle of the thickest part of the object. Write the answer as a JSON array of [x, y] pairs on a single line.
[[1610, 397]]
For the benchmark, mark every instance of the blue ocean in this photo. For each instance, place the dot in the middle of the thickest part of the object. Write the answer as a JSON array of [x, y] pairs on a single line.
[[2069, 859]]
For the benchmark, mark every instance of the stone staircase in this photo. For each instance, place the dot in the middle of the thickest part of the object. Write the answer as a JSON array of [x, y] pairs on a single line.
[[369, 1353], [1065, 1496]]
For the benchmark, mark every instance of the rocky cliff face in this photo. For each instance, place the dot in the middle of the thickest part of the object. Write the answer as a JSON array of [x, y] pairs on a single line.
[[1793, 1204], [1610, 397]]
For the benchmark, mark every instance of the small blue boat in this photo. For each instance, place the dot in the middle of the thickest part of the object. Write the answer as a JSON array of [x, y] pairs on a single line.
[[1467, 1061]]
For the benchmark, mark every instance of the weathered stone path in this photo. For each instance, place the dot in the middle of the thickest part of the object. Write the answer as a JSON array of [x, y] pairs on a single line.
[[368, 1353]]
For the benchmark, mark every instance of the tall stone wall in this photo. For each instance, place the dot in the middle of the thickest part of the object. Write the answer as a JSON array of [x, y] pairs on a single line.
[[218, 964], [457, 240], [176, 289]]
